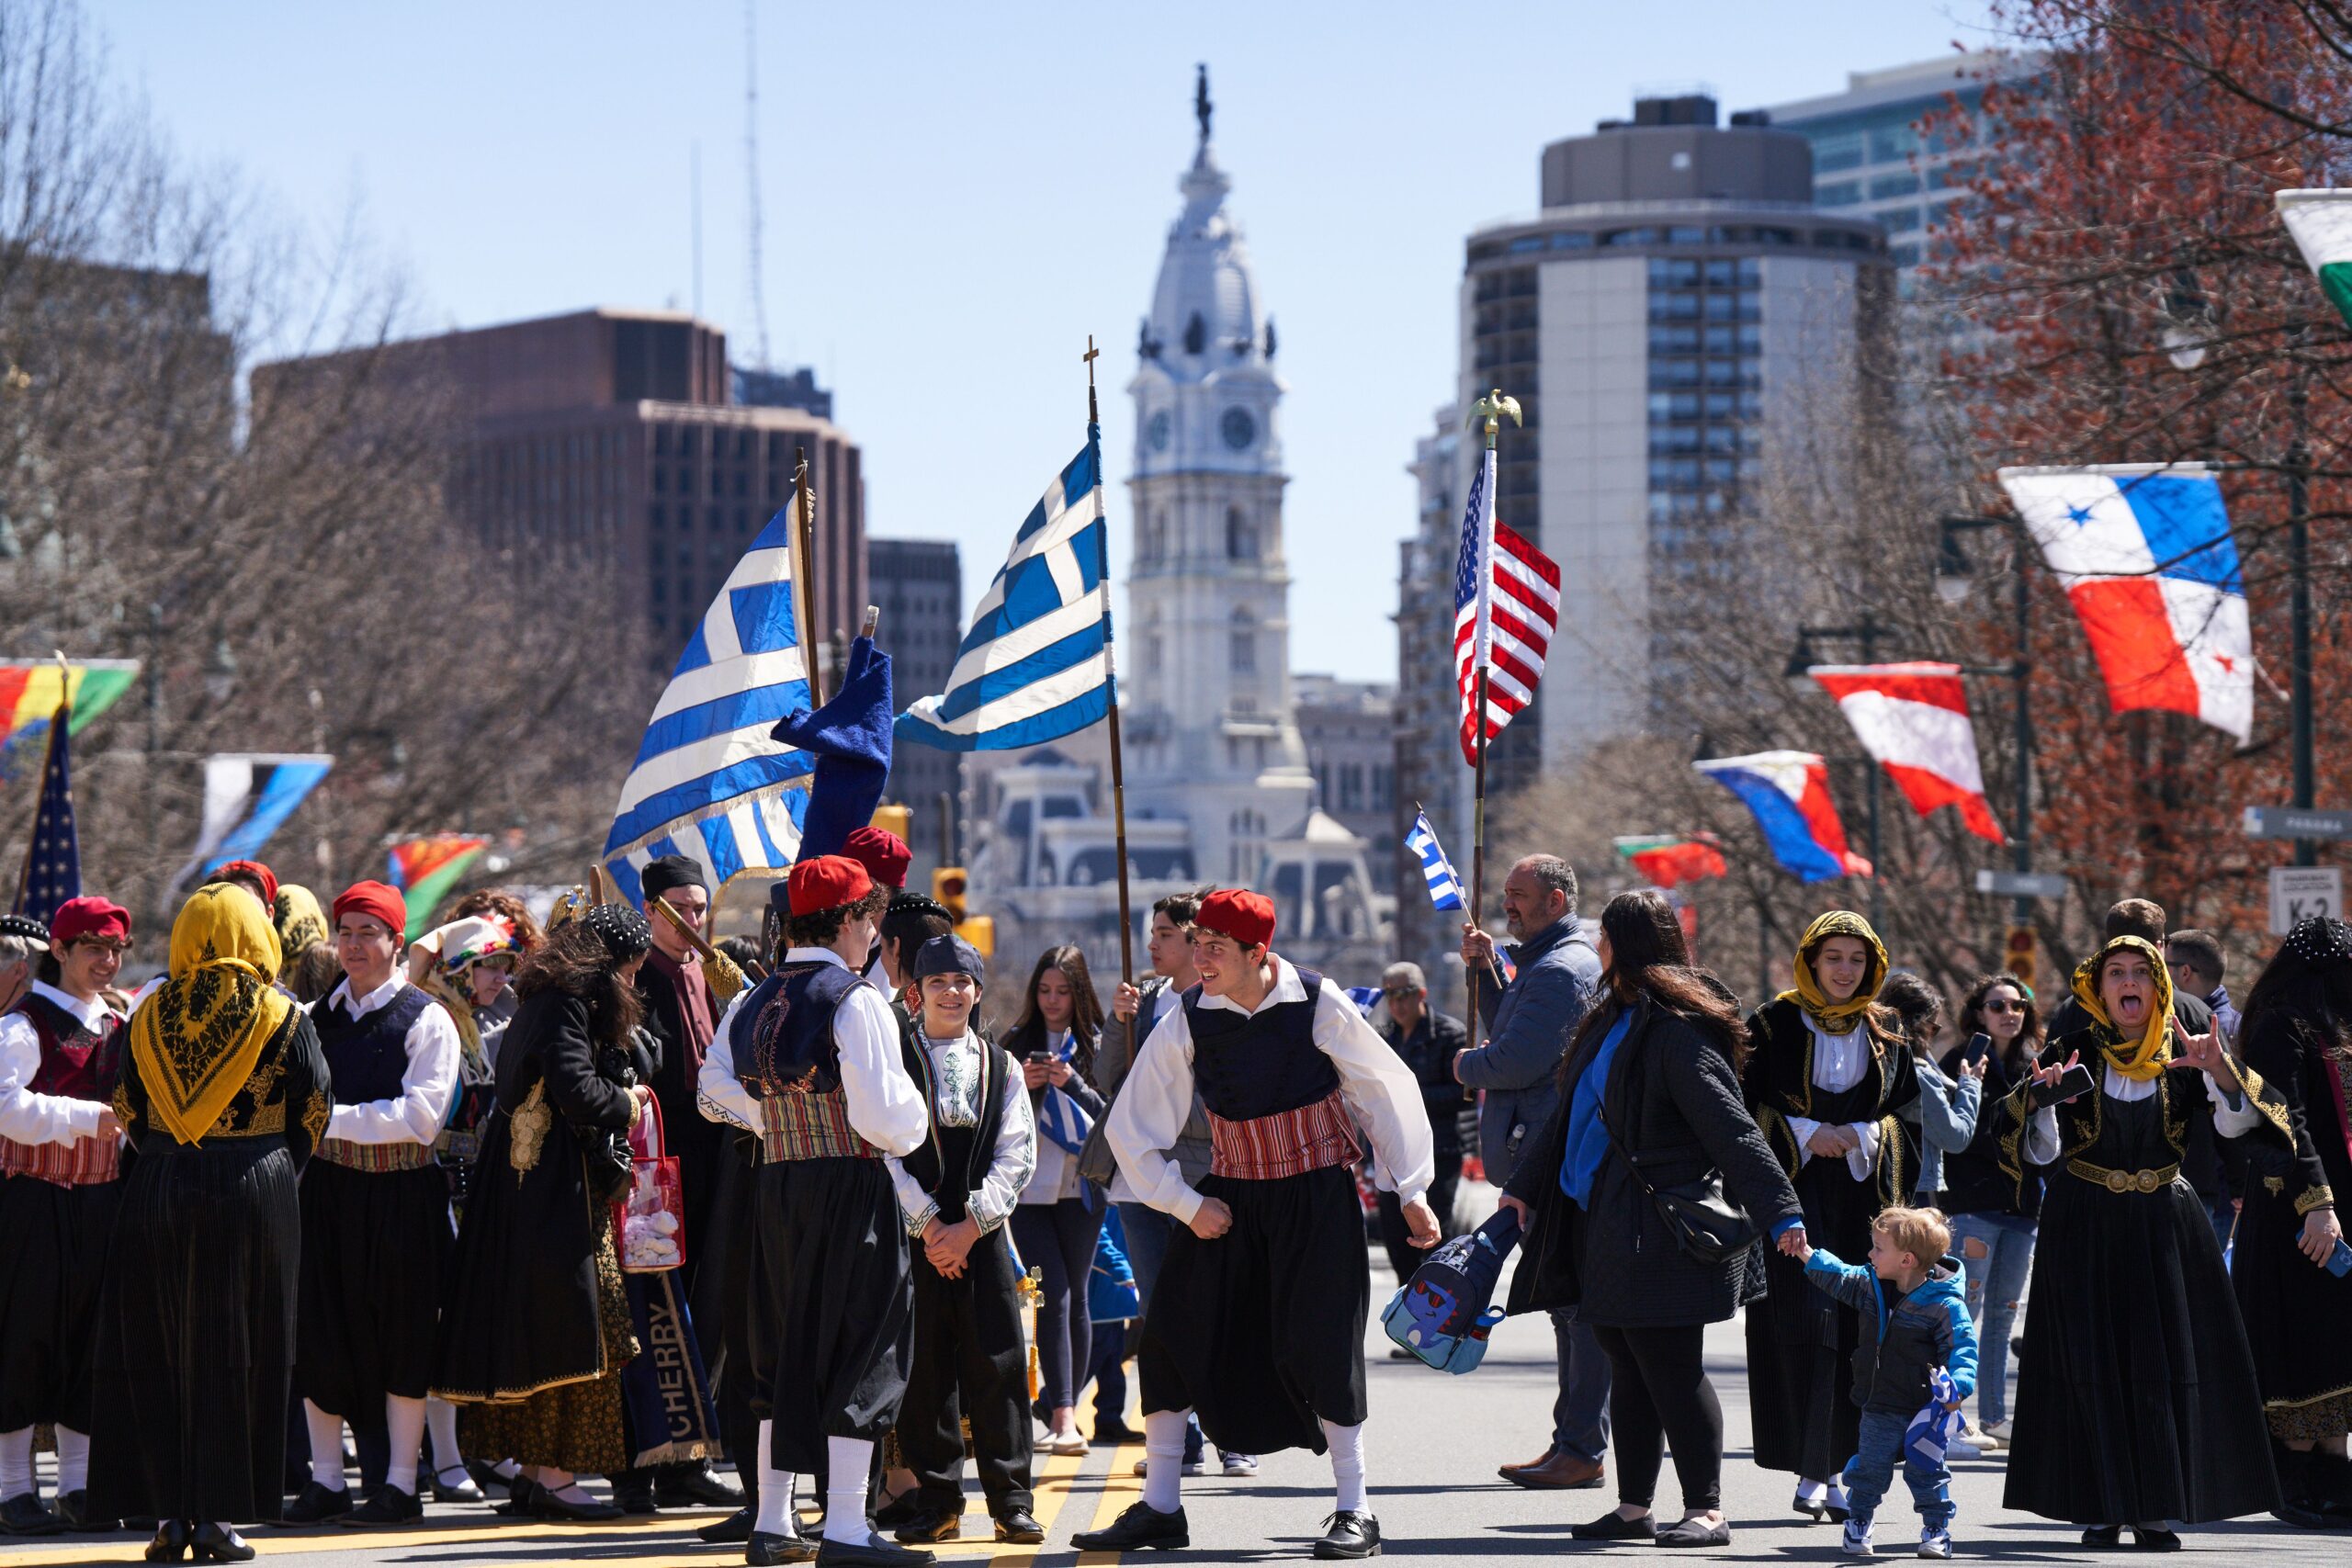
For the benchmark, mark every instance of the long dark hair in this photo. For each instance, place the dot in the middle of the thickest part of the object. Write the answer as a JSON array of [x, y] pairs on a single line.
[[2314, 1000], [1086, 1011], [1649, 958], [1971, 1015], [574, 960], [1918, 1009]]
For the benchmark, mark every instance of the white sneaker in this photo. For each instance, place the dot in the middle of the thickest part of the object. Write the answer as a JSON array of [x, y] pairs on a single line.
[[1858, 1539], [2001, 1432], [1961, 1447], [1238, 1464], [1935, 1543]]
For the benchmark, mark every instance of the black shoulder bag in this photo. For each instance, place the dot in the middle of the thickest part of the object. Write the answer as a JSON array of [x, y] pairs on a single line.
[[1703, 1222]]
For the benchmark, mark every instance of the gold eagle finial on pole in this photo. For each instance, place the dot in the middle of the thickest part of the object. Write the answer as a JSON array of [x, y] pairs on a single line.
[[1491, 409]]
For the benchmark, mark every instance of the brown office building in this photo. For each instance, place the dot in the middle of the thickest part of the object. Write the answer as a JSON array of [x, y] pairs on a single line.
[[612, 430]]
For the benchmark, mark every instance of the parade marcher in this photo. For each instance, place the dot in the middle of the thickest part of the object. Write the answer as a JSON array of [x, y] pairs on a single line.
[[376, 1229], [1257, 1316], [22, 940], [1528, 1024], [2299, 1037], [1942, 1120], [1992, 1215], [224, 1094], [811, 1060], [253, 876], [60, 1048], [537, 1333], [1653, 1073], [2137, 1399], [307, 968], [957, 1191], [1059, 1217], [2201, 969], [1426, 1040], [885, 857], [1826, 1079]]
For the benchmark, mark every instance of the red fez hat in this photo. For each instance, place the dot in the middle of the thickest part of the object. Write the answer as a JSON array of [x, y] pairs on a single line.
[[252, 869], [826, 882], [883, 854], [374, 899], [1248, 918], [78, 917]]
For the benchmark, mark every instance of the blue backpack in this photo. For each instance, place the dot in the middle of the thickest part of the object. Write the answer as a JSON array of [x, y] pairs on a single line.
[[1441, 1315]]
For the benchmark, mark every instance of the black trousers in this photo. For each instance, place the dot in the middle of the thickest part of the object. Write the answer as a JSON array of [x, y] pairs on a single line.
[[1659, 1394], [1403, 1256], [969, 1356]]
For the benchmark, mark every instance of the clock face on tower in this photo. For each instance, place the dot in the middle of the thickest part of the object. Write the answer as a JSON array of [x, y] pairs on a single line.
[[1159, 431], [1240, 429]]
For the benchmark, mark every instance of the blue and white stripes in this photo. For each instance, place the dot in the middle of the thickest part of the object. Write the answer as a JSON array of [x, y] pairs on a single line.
[[1445, 887], [708, 782], [1037, 663]]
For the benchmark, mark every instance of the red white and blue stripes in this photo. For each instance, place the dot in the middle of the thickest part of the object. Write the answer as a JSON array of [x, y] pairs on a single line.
[[1506, 608]]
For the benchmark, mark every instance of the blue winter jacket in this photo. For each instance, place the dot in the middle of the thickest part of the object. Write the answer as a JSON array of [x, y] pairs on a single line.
[[1915, 1333]]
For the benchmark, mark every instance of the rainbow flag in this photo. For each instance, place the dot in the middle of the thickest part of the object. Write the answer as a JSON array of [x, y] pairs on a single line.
[[30, 693], [423, 870]]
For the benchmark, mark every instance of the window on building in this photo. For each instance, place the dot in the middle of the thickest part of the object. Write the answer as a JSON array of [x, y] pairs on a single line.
[[655, 520], [1886, 185], [1889, 144], [1384, 786], [1900, 220], [1241, 656], [1351, 786], [1152, 654], [1240, 536], [1837, 193], [1838, 150]]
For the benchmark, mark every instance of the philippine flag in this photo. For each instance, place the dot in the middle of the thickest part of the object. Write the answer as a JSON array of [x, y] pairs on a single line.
[[2146, 555], [1914, 719], [1789, 792]]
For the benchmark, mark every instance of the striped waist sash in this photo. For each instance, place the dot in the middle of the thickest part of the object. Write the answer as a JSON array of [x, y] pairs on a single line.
[[810, 1126], [85, 1162], [376, 1159], [1289, 1143]]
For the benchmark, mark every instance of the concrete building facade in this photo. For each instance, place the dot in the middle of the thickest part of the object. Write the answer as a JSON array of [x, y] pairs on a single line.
[[917, 584]]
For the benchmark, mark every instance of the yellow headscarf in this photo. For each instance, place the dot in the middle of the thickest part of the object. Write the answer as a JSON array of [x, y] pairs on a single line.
[[196, 1038], [1836, 1017], [302, 924], [2145, 1057]]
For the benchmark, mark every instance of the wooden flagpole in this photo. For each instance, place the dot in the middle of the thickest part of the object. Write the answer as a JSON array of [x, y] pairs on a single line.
[[1111, 679], [1487, 411], [804, 572]]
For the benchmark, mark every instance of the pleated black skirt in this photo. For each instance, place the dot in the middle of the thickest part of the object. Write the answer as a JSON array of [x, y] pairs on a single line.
[[376, 1250], [1261, 1331], [195, 1334], [832, 1307], [56, 1252], [1800, 1341]]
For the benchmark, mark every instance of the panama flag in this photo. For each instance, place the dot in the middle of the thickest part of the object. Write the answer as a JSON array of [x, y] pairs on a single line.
[[1789, 792], [2146, 555], [1914, 719], [2320, 222]]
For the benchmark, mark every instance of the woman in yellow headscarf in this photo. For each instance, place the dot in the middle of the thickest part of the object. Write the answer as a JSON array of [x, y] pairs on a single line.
[[1826, 1079], [2137, 1398], [223, 1092]]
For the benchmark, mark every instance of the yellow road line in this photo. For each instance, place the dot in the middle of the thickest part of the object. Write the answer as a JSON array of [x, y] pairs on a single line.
[[1120, 1487]]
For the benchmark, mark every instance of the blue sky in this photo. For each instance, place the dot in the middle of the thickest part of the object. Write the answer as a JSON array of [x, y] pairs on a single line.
[[955, 196]]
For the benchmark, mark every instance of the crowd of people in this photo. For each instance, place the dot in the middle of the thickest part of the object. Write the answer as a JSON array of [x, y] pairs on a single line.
[[509, 1206]]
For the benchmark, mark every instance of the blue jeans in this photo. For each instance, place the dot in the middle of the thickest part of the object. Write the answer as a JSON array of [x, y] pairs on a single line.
[[1871, 1470], [1996, 1254]]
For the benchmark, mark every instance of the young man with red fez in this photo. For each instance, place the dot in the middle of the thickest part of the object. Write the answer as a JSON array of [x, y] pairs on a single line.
[[376, 1230], [1258, 1317], [60, 1144], [254, 877], [811, 1060], [885, 857]]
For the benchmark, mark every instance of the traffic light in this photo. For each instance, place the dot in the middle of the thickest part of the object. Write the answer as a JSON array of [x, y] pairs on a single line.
[[947, 886], [898, 819], [2018, 953]]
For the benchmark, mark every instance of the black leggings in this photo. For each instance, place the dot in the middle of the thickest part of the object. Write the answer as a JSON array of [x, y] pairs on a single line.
[[1659, 1391], [1059, 1239]]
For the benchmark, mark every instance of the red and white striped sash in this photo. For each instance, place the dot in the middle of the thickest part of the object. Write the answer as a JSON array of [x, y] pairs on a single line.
[[84, 1162], [1289, 1143]]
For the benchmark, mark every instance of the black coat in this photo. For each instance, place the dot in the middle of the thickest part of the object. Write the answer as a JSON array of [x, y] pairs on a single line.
[[1429, 1051], [1975, 1182], [1674, 1097]]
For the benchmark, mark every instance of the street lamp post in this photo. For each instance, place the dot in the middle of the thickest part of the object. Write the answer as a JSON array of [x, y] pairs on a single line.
[[1864, 632], [2298, 565], [1954, 576]]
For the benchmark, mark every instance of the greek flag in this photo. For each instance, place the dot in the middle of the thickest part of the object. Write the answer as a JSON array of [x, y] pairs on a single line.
[[1445, 887], [1037, 663], [709, 783]]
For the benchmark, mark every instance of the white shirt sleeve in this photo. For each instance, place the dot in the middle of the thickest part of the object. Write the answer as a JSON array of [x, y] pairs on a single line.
[[718, 1091], [885, 1107], [427, 1085], [2040, 1145], [30, 1118], [1862, 1159], [1803, 1128], [1382, 1094], [1013, 1162], [916, 1206], [2229, 1122], [1155, 1101]]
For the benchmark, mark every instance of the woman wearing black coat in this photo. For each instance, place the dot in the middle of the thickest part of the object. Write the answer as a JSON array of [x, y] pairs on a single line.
[[1652, 1075]]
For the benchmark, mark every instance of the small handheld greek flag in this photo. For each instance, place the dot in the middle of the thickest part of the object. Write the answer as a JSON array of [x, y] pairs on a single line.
[[1445, 887], [1932, 1430]]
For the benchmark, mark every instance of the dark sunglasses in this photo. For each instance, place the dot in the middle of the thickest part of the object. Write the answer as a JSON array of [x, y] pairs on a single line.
[[2001, 1005]]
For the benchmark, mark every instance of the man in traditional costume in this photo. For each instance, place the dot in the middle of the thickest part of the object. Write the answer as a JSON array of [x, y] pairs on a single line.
[[811, 1060], [1258, 1318], [376, 1230], [61, 1050]]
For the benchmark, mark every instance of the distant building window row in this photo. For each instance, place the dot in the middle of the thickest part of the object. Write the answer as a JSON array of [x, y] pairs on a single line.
[[1666, 406], [1734, 375], [1667, 440], [1764, 235], [715, 519], [1718, 307], [1667, 340], [1715, 272]]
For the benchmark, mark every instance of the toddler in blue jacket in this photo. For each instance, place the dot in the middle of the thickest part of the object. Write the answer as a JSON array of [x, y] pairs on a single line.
[[1915, 1320]]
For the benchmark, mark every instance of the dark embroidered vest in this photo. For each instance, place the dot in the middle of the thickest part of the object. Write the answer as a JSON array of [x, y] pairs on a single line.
[[75, 1064], [786, 1059], [953, 1161], [368, 1056], [1248, 1065]]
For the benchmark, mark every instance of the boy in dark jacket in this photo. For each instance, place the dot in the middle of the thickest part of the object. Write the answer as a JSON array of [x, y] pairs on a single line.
[[1922, 1325]]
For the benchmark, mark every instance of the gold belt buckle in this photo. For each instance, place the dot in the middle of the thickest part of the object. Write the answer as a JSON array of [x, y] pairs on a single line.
[[2145, 1182], [2118, 1181]]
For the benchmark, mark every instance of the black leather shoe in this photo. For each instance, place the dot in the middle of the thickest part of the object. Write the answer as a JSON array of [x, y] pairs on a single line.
[[486, 1476], [1813, 1508], [212, 1543], [1112, 1433], [387, 1507], [2103, 1538], [73, 1507], [1349, 1533], [170, 1543], [26, 1514], [315, 1505], [547, 1504], [1016, 1526], [876, 1553], [2154, 1537], [765, 1549], [735, 1526], [932, 1524], [899, 1510], [463, 1489], [695, 1487], [519, 1492], [1615, 1525], [1141, 1526], [636, 1498]]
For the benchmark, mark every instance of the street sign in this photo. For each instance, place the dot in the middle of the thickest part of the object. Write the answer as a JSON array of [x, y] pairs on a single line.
[[2021, 884], [2296, 822], [2300, 892]]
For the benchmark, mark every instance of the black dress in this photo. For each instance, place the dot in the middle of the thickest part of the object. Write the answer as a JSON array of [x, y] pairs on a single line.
[[2136, 1396], [2298, 1315], [1800, 1340], [195, 1318]]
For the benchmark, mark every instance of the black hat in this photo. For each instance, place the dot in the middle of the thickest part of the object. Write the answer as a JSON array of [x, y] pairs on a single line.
[[24, 926], [948, 954], [671, 871], [622, 930]]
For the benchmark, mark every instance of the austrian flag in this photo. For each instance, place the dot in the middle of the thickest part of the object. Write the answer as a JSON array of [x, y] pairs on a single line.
[[1913, 720]]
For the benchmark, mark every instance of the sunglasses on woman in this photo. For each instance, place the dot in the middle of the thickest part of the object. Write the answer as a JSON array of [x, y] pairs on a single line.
[[2000, 1005]]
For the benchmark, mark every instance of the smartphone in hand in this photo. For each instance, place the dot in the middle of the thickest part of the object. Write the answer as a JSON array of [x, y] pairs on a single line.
[[1979, 1046], [2073, 1082]]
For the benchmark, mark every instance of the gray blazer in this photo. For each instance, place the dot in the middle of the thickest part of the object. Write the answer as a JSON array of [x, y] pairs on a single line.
[[1528, 1026]]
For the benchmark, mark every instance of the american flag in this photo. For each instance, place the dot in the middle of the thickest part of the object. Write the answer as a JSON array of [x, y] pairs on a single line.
[[52, 871], [1504, 615]]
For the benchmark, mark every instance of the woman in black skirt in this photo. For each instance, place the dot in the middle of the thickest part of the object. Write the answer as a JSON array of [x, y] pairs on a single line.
[[223, 1096], [2298, 1035]]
